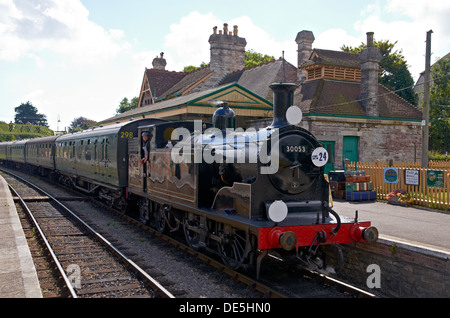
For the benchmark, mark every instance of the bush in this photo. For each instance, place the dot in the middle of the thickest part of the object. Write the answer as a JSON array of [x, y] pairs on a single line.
[[434, 155]]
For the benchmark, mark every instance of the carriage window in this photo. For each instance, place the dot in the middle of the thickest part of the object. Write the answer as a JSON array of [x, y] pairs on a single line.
[[103, 150], [106, 148], [87, 153], [80, 149]]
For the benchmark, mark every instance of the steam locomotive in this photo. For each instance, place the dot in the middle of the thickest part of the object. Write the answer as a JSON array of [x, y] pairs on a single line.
[[238, 194]]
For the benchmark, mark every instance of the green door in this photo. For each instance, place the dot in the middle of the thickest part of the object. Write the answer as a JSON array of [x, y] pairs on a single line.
[[350, 148], [329, 146]]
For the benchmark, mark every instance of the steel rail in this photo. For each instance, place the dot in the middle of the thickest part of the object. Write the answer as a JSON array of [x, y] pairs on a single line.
[[66, 280], [237, 276], [339, 284], [157, 287]]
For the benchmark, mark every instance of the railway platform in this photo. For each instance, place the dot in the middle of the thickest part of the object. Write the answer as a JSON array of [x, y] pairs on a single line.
[[18, 278], [415, 226]]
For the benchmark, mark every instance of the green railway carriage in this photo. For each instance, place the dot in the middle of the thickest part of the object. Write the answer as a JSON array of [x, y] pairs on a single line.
[[4, 150], [16, 151], [98, 157], [40, 152]]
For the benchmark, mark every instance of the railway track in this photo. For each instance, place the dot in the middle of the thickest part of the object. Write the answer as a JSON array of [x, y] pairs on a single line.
[[286, 282], [83, 263], [279, 281]]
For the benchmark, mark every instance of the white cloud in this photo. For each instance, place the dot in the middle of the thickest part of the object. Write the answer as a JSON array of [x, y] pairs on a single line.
[[187, 43], [81, 68], [34, 95], [263, 42], [412, 20], [334, 39], [61, 27]]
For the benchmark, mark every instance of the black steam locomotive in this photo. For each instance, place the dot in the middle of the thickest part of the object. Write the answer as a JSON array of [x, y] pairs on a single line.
[[238, 194]]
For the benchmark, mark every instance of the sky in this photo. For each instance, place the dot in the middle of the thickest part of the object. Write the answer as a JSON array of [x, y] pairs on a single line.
[[73, 58]]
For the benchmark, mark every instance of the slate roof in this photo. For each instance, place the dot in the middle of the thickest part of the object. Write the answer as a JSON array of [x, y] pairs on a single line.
[[187, 81], [260, 77], [161, 80], [324, 96], [333, 58], [333, 97]]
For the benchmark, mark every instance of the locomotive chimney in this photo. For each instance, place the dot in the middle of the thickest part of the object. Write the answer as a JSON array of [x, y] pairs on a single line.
[[283, 98]]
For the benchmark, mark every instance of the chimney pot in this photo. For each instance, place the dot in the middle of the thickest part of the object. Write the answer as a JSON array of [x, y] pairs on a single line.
[[235, 30], [225, 28], [215, 30]]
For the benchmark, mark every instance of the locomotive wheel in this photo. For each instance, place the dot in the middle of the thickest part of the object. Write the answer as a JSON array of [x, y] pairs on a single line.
[[233, 247], [160, 220], [144, 211], [191, 223]]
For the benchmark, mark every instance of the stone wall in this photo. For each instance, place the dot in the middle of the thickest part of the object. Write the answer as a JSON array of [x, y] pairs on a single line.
[[378, 139], [404, 270]]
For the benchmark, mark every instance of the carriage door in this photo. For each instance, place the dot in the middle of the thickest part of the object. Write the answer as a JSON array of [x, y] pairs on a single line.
[[135, 171]]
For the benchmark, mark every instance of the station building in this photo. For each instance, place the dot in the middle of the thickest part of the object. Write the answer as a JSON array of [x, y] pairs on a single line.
[[343, 105]]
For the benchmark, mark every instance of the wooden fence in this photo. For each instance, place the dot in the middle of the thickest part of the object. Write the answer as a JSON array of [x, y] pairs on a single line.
[[433, 189]]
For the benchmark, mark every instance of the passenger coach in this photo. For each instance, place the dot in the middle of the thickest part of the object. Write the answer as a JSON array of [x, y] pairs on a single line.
[[40, 154], [97, 158]]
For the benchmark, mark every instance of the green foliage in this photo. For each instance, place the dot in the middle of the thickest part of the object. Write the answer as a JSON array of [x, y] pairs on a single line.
[[191, 68], [434, 155], [253, 58], [11, 131], [26, 113], [395, 74], [125, 105], [81, 123], [440, 106]]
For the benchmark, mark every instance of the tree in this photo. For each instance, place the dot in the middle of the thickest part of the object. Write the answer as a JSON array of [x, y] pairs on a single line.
[[27, 113], [191, 68], [125, 105], [440, 106], [81, 123], [395, 74], [253, 58]]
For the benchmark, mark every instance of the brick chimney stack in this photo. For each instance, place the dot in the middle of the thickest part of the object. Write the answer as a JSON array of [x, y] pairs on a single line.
[[227, 51], [369, 59], [159, 62]]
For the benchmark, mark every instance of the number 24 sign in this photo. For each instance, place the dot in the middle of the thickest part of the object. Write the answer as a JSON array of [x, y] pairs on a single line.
[[319, 157]]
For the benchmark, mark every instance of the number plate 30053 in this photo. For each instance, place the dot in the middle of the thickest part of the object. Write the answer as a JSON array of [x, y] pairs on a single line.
[[291, 148]]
